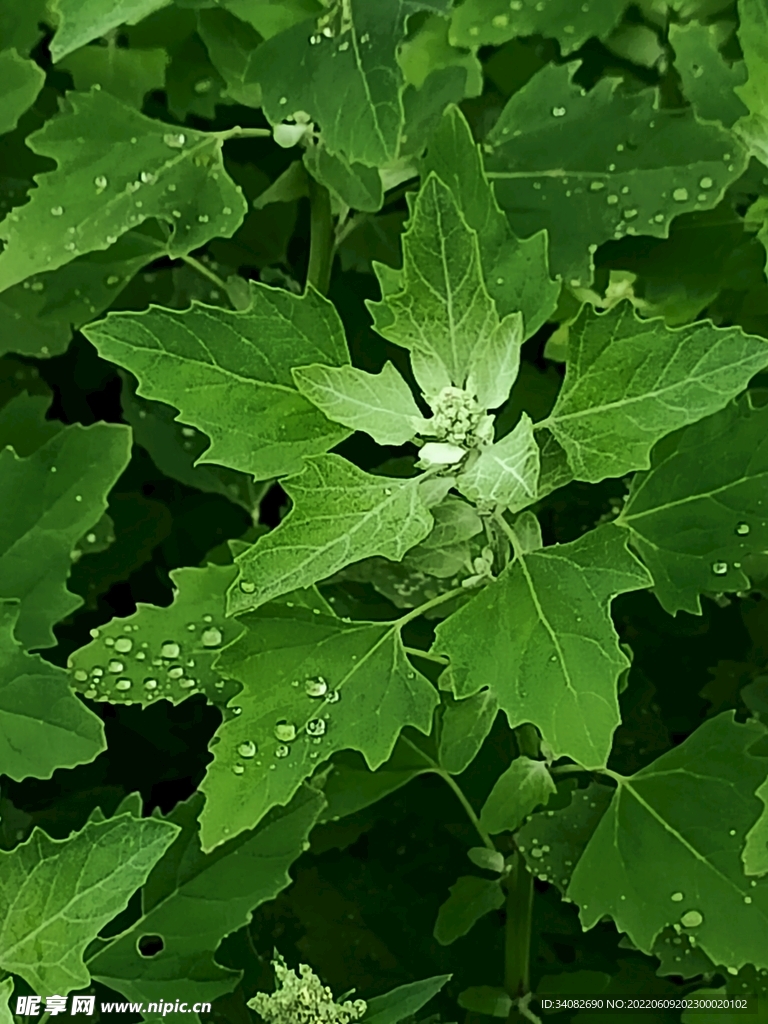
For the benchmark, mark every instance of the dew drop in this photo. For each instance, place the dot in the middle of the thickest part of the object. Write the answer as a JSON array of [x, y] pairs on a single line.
[[742, 529], [247, 586], [100, 182], [282, 751], [123, 644], [147, 178], [285, 731], [537, 852], [316, 687], [629, 214], [116, 667], [316, 727], [747, 899], [612, 199], [170, 649], [237, 711], [247, 749], [56, 211], [719, 568], [680, 195], [81, 676], [176, 672], [691, 919], [211, 637], [706, 183], [596, 186], [676, 897], [150, 684], [175, 140], [123, 684], [188, 432], [558, 111], [89, 693], [333, 697], [238, 769]]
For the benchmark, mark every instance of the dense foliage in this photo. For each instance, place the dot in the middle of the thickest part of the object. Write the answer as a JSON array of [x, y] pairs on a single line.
[[384, 530]]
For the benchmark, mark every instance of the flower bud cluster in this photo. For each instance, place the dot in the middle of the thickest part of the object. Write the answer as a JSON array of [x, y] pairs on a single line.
[[303, 1000], [459, 420]]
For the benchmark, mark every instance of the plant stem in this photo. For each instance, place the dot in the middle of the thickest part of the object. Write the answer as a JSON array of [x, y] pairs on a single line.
[[517, 935], [321, 237], [439, 659], [470, 811], [205, 271]]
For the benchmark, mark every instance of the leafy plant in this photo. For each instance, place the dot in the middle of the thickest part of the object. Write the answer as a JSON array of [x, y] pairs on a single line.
[[384, 547]]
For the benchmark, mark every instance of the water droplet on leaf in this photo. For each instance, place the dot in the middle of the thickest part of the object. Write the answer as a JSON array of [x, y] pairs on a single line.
[[123, 684], [211, 637], [719, 568], [691, 919], [285, 731], [676, 897], [170, 649], [680, 195], [742, 529], [175, 140], [123, 644], [316, 687], [282, 751], [316, 727], [247, 587], [247, 749], [238, 769]]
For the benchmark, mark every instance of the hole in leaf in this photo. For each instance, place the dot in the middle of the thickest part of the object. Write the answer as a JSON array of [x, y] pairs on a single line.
[[150, 945]]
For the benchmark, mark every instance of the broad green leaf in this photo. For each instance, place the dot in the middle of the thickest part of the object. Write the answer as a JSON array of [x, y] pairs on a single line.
[[541, 639], [270, 18], [708, 80], [668, 849], [516, 271], [56, 494], [444, 312], [495, 363], [506, 473], [340, 515], [20, 24], [128, 74], [571, 22], [6, 991], [430, 50], [646, 165], [349, 51], [43, 726], [401, 1003], [355, 185], [493, 1002], [695, 517], [617, 401], [38, 315], [57, 895], [471, 898], [351, 786], [162, 653], [489, 860], [755, 853], [20, 82], [515, 794], [175, 450], [464, 725], [229, 373], [230, 43], [312, 685], [193, 900], [381, 404], [80, 21], [753, 38], [116, 169], [23, 425], [446, 550]]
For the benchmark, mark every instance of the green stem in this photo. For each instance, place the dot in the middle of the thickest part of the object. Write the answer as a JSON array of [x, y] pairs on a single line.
[[244, 133], [439, 659], [202, 269], [517, 934], [321, 237], [470, 811]]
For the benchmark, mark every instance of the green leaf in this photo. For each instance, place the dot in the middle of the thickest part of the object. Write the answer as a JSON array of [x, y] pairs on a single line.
[[80, 21], [38, 315], [753, 36], [471, 898], [196, 359], [708, 81], [43, 726], [56, 494], [230, 43], [57, 895], [355, 185], [192, 900], [445, 551], [20, 82], [443, 313], [464, 725], [495, 363], [23, 425], [162, 653], [20, 25], [506, 473], [489, 860], [430, 50], [646, 165], [381, 404], [755, 853], [400, 1003], [269, 18], [340, 515], [6, 991], [312, 685], [558, 665], [128, 74], [615, 402], [695, 518], [668, 849], [515, 794], [307, 68], [352, 786], [108, 183], [571, 22], [493, 1002]]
